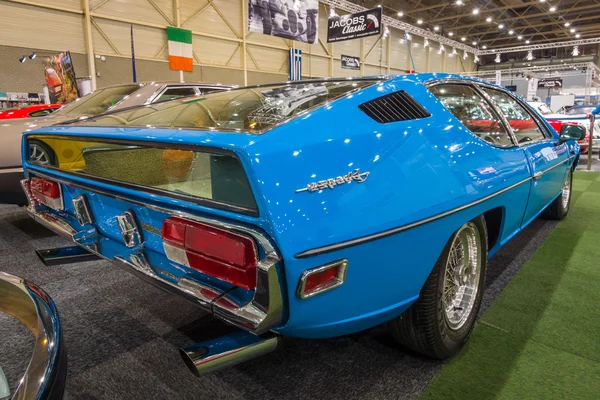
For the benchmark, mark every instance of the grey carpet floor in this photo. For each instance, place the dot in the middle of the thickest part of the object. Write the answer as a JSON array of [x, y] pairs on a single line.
[[122, 335]]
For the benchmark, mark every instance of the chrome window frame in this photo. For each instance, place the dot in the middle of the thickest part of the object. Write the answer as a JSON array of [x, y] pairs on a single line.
[[485, 97]]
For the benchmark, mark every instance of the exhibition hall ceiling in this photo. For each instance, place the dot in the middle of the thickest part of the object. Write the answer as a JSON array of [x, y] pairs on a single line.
[[498, 23]]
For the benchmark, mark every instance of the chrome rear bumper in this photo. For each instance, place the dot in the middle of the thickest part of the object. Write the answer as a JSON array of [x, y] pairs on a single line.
[[260, 315], [47, 371]]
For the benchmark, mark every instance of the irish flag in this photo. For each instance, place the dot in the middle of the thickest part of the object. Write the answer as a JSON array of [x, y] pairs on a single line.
[[180, 49]]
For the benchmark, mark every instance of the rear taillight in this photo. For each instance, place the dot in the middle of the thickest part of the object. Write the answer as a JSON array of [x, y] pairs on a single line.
[[322, 279], [46, 192], [222, 254]]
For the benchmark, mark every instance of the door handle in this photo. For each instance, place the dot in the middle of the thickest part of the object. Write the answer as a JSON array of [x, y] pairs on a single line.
[[537, 175]]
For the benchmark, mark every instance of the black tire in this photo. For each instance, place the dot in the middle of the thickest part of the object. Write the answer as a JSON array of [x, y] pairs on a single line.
[[424, 327], [41, 146], [559, 208]]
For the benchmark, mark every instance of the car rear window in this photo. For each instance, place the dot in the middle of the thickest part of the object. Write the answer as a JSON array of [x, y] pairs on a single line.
[[98, 102], [251, 109], [213, 178]]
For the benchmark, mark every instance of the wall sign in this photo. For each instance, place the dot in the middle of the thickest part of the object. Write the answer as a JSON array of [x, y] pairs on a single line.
[[350, 62], [354, 26], [290, 19], [511, 88], [545, 83]]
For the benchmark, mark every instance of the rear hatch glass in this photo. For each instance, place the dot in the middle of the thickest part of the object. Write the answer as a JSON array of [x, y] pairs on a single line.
[[213, 177], [251, 109]]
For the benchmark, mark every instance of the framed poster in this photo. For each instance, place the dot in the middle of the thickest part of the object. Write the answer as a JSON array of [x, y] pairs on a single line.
[[289, 19], [61, 79], [354, 26]]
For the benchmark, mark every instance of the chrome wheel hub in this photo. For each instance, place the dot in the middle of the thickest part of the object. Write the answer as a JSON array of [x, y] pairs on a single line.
[[461, 277], [566, 193], [38, 155]]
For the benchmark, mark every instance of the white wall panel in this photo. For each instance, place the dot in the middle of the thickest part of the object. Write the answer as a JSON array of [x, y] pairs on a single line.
[[347, 48], [209, 20], [435, 63], [137, 10], [148, 41], [72, 4], [338, 71], [29, 26], [316, 66], [419, 55], [378, 52], [217, 51], [269, 59], [374, 70]]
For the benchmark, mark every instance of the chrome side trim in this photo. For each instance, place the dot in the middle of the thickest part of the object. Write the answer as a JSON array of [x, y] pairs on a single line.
[[379, 235], [47, 371]]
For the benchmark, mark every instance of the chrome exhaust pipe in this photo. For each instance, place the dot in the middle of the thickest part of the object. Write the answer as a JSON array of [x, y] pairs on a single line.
[[65, 255], [226, 351]]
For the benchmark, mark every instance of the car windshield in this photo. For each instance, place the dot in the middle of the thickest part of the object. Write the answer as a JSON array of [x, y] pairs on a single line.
[[98, 102], [580, 110], [251, 109]]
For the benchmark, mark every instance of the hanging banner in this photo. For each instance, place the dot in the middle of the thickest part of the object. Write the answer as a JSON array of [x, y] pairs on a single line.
[[354, 26], [350, 62], [546, 83], [289, 19], [61, 79]]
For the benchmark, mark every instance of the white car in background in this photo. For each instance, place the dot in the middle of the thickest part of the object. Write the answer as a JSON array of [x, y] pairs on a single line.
[[575, 114]]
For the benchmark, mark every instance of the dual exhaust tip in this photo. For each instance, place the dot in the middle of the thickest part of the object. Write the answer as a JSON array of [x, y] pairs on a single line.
[[226, 351]]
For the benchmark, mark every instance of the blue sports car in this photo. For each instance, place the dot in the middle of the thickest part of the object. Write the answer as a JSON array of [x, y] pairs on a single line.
[[311, 209]]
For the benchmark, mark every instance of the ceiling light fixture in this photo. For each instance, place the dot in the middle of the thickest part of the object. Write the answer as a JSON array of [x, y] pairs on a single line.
[[527, 41], [575, 52], [475, 59], [552, 9], [459, 2], [465, 55], [474, 43], [578, 36], [442, 48], [489, 19], [436, 28], [32, 56], [22, 59], [501, 26], [572, 30], [425, 43], [484, 47], [511, 32], [450, 34], [497, 59], [420, 21], [331, 12], [567, 24], [475, 11], [519, 37], [407, 36], [463, 38], [400, 14], [529, 55]]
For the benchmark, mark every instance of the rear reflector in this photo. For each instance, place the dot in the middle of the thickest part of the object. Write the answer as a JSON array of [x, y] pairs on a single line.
[[222, 254], [322, 279], [47, 192]]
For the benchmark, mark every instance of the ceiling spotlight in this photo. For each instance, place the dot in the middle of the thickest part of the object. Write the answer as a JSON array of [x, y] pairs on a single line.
[[379, 5], [542, 1], [578, 36], [519, 37], [474, 43], [497, 59], [567, 24], [454, 52], [450, 34], [572, 30], [419, 21], [459, 2], [400, 14], [575, 52], [475, 11], [511, 32], [484, 47], [22, 59], [407, 36], [489, 19], [463, 38], [501, 26], [425, 43], [527, 41], [529, 55], [552, 9], [442, 48], [465, 55], [32, 56], [331, 12], [475, 59], [436, 28]]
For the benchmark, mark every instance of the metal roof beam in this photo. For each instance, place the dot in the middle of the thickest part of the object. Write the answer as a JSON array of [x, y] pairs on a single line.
[[568, 43]]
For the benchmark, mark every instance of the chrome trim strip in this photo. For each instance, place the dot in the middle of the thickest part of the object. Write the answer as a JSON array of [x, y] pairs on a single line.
[[379, 235], [47, 370]]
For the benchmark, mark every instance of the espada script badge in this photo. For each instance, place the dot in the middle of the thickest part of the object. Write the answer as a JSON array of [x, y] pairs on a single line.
[[333, 182]]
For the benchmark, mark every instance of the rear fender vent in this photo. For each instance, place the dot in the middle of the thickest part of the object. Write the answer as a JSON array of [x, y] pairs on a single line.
[[394, 107]]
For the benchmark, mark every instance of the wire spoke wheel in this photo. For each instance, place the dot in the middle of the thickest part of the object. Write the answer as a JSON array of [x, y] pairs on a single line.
[[462, 274], [566, 192], [38, 155]]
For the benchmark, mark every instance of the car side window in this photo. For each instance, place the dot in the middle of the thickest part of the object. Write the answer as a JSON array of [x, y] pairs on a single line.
[[41, 113], [175, 93], [524, 126], [474, 112]]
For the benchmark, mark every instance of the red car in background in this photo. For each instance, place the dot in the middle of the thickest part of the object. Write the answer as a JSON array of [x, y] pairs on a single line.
[[40, 110]]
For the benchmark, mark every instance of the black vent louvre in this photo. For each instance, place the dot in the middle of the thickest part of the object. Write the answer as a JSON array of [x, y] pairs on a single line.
[[393, 107]]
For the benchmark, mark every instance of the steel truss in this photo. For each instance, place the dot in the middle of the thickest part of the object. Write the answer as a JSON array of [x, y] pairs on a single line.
[[534, 70], [569, 43]]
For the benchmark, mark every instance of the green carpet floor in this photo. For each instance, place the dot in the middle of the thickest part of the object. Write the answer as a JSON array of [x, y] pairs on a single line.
[[541, 338]]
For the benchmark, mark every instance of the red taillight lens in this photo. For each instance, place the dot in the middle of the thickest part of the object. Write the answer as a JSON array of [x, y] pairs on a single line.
[[46, 192], [222, 254], [321, 279], [51, 189]]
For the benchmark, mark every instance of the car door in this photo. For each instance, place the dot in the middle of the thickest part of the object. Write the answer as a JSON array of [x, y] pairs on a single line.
[[548, 162]]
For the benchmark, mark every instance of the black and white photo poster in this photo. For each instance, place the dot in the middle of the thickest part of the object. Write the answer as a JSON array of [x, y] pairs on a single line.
[[289, 19], [354, 26], [350, 62]]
